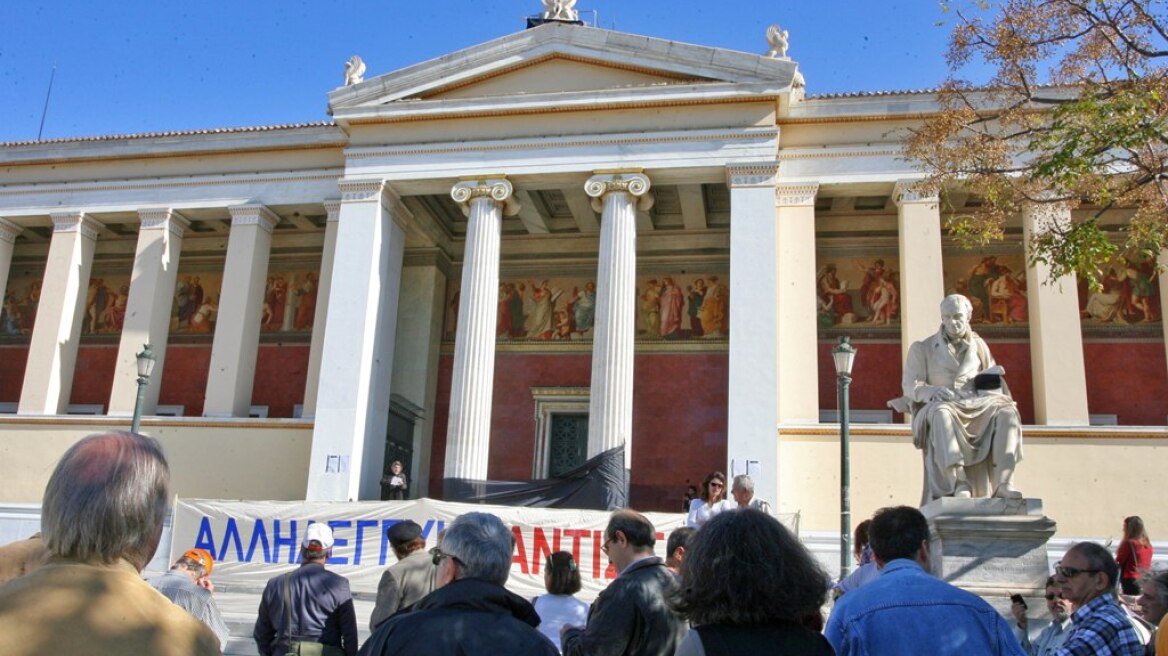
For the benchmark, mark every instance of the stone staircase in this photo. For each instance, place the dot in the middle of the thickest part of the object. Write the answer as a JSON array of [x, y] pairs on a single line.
[[239, 606]]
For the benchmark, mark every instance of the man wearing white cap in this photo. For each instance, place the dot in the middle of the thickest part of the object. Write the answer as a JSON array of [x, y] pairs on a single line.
[[308, 610]]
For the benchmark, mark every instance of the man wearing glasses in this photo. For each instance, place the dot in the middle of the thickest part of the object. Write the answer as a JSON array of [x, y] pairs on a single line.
[[630, 617], [1086, 577], [1055, 634], [469, 612]]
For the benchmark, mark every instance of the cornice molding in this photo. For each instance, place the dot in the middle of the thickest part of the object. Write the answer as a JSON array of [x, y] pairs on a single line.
[[253, 214], [163, 219], [360, 191], [9, 231], [79, 222], [333, 207], [906, 192], [496, 190], [796, 195], [162, 184], [762, 174]]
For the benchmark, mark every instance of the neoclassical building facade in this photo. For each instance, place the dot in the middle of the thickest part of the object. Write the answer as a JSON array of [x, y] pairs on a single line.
[[498, 263]]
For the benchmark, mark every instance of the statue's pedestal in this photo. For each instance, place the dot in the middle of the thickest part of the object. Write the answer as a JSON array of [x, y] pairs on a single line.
[[991, 547]]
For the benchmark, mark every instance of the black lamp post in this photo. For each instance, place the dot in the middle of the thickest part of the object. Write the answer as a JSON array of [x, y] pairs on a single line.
[[145, 368], [844, 355]]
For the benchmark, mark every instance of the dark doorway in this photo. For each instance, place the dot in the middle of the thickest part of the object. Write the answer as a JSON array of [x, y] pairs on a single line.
[[568, 443]]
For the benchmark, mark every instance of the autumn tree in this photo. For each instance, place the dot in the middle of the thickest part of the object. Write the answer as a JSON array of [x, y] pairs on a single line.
[[1074, 112]]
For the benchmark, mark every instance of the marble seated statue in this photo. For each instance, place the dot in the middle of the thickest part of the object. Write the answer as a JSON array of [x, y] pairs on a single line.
[[963, 418]]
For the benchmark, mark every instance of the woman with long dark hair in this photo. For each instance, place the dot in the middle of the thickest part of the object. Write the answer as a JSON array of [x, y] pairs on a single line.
[[750, 587], [559, 608], [712, 501], [1134, 555]]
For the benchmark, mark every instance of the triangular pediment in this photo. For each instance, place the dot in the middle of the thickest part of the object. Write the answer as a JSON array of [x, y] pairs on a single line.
[[559, 58]]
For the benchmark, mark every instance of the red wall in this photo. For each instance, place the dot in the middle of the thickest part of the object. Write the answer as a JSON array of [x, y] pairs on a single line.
[[12, 362], [93, 377], [679, 419], [1127, 379], [281, 372], [875, 376]]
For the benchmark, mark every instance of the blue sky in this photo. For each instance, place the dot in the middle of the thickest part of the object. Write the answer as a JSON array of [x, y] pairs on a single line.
[[128, 66]]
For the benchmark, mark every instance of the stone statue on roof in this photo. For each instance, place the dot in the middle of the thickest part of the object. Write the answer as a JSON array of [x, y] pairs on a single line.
[[779, 41], [560, 10], [354, 70]]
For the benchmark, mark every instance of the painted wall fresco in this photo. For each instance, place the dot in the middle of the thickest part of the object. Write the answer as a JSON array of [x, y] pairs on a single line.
[[105, 304], [994, 284], [289, 303], [21, 299], [1130, 294], [855, 291], [669, 307]]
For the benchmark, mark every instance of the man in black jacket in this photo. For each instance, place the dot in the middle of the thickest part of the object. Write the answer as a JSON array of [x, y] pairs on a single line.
[[632, 616], [470, 612], [308, 605]]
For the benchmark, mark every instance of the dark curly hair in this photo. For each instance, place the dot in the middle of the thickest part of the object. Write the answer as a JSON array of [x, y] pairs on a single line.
[[744, 568]]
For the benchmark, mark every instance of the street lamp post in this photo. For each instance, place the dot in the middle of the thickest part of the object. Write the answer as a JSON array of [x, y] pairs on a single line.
[[145, 368], [844, 355]]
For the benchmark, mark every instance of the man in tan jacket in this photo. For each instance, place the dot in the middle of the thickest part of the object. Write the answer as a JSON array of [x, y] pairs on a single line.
[[101, 518], [21, 557]]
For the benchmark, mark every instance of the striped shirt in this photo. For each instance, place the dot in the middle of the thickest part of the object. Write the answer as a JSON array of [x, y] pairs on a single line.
[[1101, 629], [179, 588]]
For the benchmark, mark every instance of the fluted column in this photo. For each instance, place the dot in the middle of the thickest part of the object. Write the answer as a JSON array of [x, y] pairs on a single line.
[[617, 196], [241, 304], [1056, 336], [796, 305], [922, 283], [323, 283], [468, 433], [8, 233], [160, 238], [52, 353]]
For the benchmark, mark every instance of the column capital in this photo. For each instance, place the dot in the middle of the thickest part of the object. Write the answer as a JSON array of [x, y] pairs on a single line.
[[333, 207], [360, 191], [631, 182], [79, 222], [909, 191], [796, 195], [495, 188], [760, 174], [9, 231], [254, 214], [163, 218]]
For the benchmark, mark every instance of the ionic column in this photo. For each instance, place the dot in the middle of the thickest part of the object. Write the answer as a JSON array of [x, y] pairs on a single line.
[[617, 196], [323, 282], [160, 236], [468, 434], [8, 233], [753, 414], [796, 305], [922, 283], [1056, 338], [352, 400], [241, 306], [52, 354]]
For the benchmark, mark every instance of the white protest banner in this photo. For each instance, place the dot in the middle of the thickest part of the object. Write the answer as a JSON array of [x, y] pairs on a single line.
[[253, 541]]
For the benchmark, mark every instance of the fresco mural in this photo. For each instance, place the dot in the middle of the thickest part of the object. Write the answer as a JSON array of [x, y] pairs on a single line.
[[289, 303], [875, 301], [1130, 294], [18, 312], [105, 304], [196, 303], [669, 307], [994, 284]]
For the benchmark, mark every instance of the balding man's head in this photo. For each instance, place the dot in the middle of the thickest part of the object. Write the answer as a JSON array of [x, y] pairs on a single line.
[[107, 499]]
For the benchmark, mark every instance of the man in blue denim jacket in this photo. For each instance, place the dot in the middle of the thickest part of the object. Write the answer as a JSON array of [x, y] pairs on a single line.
[[908, 611]]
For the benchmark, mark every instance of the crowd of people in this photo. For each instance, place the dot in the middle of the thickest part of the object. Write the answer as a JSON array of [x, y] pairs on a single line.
[[736, 581]]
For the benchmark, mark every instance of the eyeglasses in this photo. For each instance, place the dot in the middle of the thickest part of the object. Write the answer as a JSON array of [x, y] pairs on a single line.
[[1072, 572], [604, 547], [437, 555], [716, 485]]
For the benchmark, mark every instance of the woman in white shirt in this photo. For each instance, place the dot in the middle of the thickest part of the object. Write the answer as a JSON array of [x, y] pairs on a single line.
[[558, 608], [712, 501]]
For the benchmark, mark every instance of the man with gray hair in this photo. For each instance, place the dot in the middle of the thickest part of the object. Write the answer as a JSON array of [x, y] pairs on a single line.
[[101, 517], [1086, 577], [470, 612], [963, 417], [743, 491]]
